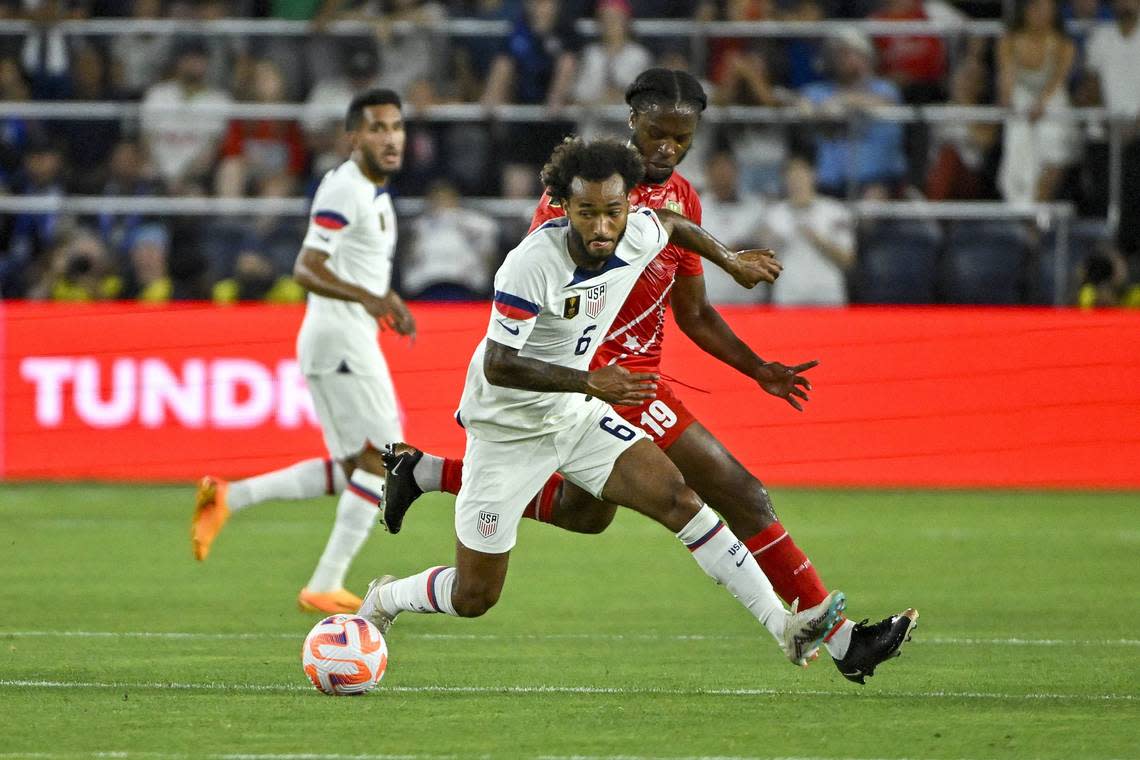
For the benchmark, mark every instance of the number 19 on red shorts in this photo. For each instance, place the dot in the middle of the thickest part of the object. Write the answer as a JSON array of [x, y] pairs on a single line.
[[663, 419]]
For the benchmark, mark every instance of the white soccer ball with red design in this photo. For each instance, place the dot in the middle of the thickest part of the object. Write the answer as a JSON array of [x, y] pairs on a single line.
[[344, 655]]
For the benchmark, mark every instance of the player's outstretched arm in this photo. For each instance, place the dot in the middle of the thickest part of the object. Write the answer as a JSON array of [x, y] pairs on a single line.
[[748, 268], [613, 384], [311, 272], [704, 325]]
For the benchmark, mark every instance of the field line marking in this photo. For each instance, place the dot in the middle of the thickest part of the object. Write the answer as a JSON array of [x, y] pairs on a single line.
[[550, 689], [920, 639], [128, 755]]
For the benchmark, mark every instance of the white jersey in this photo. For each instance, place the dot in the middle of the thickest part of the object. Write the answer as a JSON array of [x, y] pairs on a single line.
[[551, 310], [354, 222]]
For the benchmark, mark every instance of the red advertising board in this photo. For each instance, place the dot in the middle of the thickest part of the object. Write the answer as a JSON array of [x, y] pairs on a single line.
[[903, 397]]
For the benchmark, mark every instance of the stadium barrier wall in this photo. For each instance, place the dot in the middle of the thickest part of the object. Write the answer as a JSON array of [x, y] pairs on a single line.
[[925, 397]]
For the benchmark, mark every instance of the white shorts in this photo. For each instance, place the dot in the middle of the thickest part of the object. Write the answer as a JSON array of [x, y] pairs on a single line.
[[501, 477], [355, 411]]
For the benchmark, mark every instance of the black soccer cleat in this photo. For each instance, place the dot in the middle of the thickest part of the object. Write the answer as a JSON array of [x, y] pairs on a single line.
[[872, 645], [400, 487]]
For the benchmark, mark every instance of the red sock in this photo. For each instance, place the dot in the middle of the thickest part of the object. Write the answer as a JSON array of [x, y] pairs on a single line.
[[452, 477], [541, 507], [786, 566]]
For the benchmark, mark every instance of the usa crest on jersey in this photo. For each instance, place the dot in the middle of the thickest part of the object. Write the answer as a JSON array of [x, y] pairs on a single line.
[[595, 300]]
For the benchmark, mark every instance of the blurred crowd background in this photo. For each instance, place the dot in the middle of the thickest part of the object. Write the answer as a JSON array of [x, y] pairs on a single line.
[[800, 150]]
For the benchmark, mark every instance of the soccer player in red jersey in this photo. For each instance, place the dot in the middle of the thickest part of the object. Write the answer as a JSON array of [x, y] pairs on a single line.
[[665, 108]]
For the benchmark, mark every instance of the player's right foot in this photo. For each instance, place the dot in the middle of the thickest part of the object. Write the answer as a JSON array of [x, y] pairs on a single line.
[[371, 609], [872, 645], [805, 629], [400, 487], [210, 514], [341, 600]]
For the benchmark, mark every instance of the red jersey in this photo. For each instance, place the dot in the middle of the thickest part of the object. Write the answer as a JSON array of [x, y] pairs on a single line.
[[635, 339]]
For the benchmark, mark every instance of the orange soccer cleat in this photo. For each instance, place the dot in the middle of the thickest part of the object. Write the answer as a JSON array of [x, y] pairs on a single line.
[[210, 514], [340, 600]]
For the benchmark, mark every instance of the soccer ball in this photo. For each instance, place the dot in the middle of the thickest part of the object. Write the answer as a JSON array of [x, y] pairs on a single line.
[[344, 655]]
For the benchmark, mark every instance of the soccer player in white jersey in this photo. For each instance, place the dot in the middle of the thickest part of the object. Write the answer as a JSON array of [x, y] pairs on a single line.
[[531, 406], [346, 265]]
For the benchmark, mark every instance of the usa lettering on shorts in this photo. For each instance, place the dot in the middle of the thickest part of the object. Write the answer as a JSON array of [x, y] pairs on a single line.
[[488, 524]]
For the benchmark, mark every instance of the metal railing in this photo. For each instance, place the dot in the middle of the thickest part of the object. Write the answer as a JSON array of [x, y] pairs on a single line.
[[1058, 216]]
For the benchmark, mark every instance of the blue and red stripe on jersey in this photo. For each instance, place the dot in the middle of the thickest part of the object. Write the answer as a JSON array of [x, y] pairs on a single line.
[[330, 220], [514, 307]]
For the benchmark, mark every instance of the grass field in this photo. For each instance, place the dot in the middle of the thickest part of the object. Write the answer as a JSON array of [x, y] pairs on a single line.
[[115, 641]]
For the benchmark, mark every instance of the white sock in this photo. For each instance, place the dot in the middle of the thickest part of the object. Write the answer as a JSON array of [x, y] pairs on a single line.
[[840, 640], [429, 472], [356, 513], [728, 561], [429, 592], [303, 480]]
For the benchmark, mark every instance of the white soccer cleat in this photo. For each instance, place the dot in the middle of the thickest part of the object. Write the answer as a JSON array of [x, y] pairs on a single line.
[[371, 609], [805, 629]]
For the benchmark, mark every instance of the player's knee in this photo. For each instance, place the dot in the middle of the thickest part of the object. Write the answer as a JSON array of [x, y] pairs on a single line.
[[683, 506], [747, 500]]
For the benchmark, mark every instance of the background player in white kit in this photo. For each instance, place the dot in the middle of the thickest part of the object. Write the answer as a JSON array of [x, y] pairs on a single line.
[[346, 265], [526, 416]]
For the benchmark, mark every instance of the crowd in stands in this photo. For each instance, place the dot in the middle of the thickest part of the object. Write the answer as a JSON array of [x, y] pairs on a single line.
[[769, 182]]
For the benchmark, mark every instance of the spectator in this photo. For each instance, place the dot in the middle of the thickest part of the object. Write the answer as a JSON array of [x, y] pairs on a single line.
[[89, 141], [724, 50], [405, 57], [45, 55], [79, 270], [759, 147], [139, 56], [1039, 140], [33, 234], [816, 240], [864, 154], [453, 252], [960, 150], [472, 57], [327, 103], [917, 65], [804, 57], [180, 122], [609, 65], [15, 132], [735, 217], [128, 237], [536, 65], [538, 61], [259, 153], [1113, 58]]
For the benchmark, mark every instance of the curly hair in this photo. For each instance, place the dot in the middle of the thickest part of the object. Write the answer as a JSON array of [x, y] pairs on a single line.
[[592, 161], [665, 88]]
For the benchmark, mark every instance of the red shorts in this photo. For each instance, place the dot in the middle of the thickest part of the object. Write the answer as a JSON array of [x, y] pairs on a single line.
[[663, 419]]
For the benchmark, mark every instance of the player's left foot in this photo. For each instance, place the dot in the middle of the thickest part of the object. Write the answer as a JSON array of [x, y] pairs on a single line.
[[874, 644], [340, 600], [805, 629], [210, 514], [400, 487]]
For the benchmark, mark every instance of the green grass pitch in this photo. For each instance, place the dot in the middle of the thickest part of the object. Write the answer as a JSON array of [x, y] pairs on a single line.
[[114, 640]]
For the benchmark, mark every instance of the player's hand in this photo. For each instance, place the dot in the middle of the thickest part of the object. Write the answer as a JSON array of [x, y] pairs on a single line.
[[754, 266], [785, 382], [615, 384], [399, 317]]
